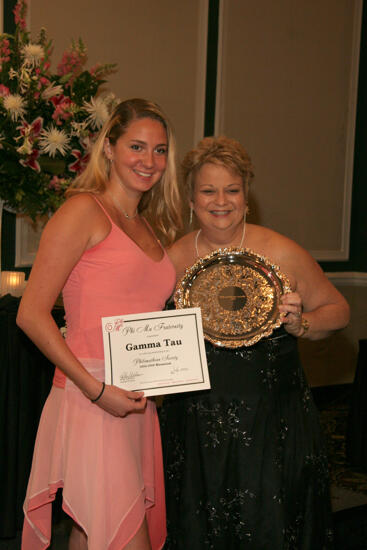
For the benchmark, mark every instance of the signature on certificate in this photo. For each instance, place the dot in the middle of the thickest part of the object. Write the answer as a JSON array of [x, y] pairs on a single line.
[[176, 370], [129, 376]]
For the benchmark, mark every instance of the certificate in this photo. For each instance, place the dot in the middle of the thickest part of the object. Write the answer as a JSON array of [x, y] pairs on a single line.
[[160, 352]]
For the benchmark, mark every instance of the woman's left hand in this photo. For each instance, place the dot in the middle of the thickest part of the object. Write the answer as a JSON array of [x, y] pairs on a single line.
[[291, 313]]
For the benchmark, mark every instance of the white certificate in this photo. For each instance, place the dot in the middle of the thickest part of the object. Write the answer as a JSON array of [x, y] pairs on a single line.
[[160, 352]]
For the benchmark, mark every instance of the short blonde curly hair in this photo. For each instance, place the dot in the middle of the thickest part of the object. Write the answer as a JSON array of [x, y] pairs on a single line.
[[219, 150]]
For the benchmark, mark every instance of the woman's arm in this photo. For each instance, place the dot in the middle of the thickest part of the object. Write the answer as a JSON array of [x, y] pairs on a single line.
[[316, 309], [76, 226]]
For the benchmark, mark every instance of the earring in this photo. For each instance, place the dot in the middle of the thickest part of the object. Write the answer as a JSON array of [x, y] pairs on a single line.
[[109, 165], [191, 211]]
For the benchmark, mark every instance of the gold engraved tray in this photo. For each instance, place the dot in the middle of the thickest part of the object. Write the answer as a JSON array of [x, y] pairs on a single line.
[[238, 292]]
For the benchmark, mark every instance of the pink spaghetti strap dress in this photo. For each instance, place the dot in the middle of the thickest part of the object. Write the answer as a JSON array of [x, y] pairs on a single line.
[[109, 468]]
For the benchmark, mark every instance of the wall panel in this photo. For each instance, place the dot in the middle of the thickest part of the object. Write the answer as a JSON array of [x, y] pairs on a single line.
[[287, 85], [159, 47]]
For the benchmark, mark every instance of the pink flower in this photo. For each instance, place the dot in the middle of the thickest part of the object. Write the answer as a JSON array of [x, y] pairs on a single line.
[[72, 62], [56, 99], [19, 13], [68, 63], [32, 130], [4, 51], [80, 163], [4, 90], [31, 161], [62, 108], [43, 81], [4, 47]]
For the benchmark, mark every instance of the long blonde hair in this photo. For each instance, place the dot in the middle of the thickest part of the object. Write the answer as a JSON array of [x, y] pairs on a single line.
[[161, 205]]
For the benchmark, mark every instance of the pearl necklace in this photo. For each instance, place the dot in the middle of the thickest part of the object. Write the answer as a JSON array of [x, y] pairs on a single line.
[[240, 245], [119, 207]]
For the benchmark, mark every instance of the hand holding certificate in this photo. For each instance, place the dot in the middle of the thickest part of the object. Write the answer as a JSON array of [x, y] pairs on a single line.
[[158, 352]]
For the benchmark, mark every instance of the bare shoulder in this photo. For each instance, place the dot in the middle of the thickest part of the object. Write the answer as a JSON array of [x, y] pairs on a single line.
[[79, 207], [67, 235], [81, 216], [278, 248], [182, 252], [304, 273]]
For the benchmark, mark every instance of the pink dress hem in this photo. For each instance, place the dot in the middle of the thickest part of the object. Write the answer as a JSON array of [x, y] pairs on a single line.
[[34, 515]]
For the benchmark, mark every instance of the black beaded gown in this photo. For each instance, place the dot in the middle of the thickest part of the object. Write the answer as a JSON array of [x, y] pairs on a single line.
[[245, 463]]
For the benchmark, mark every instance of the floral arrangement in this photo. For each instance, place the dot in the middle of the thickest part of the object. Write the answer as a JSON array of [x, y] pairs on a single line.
[[47, 121]]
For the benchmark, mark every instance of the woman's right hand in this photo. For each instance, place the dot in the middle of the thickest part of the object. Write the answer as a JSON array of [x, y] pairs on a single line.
[[119, 402]]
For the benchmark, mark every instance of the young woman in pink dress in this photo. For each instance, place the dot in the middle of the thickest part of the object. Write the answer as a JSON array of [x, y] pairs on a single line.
[[98, 443]]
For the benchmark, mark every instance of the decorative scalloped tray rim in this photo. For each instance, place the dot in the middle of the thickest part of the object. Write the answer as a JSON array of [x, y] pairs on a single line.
[[222, 252]]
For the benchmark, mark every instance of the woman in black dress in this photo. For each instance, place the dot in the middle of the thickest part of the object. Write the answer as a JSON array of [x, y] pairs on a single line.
[[245, 463]]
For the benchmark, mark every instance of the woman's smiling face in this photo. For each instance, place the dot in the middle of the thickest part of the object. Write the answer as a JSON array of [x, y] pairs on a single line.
[[218, 199], [139, 156]]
